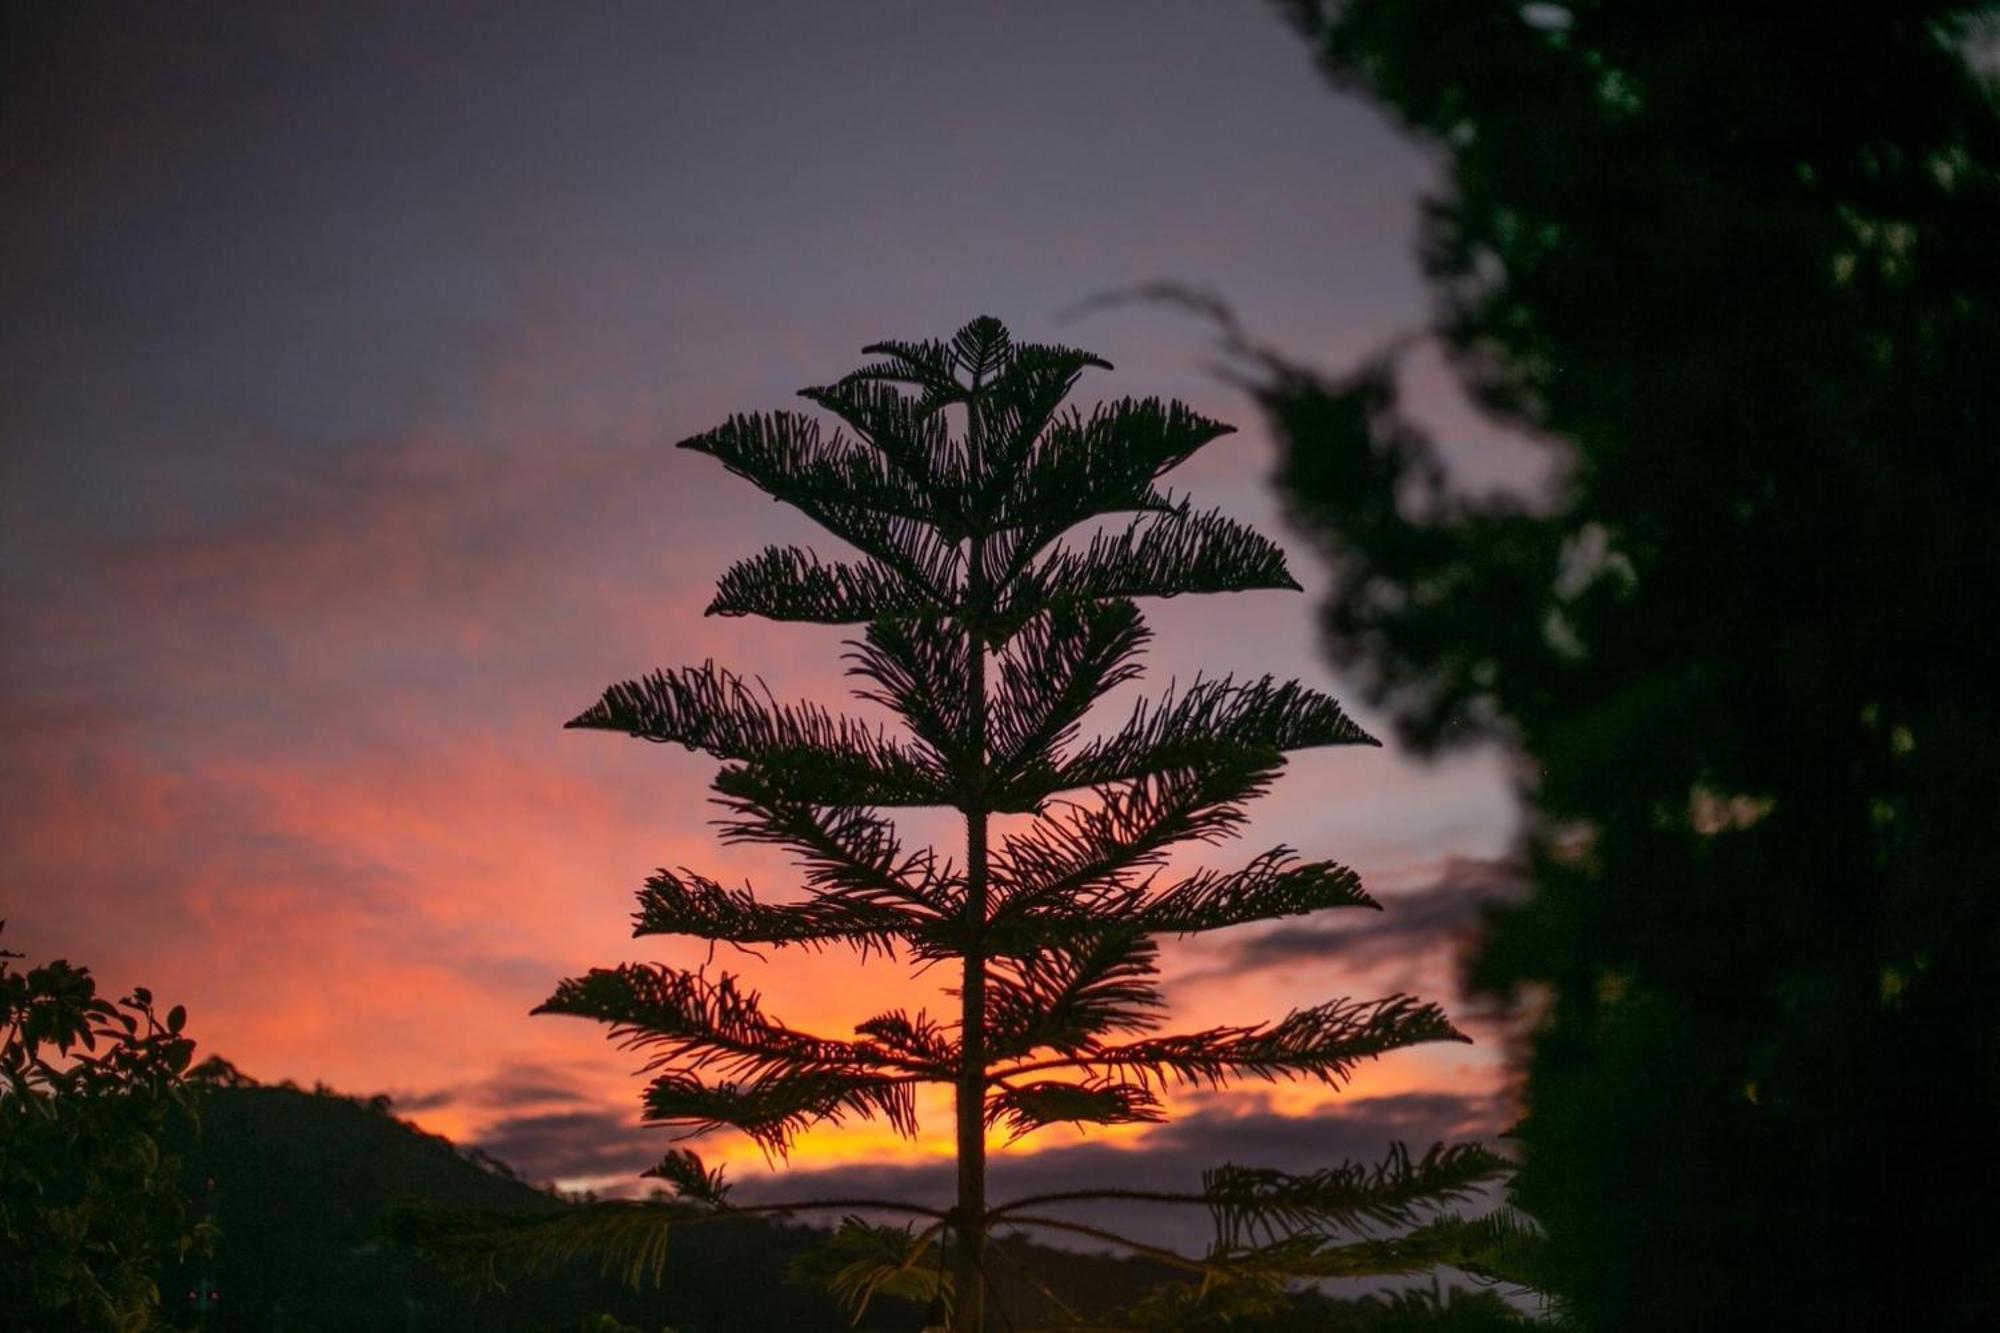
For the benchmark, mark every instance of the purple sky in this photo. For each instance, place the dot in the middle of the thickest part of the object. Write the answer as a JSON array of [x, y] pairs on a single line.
[[342, 358]]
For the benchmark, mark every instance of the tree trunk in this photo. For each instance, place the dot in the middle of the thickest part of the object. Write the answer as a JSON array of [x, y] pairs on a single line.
[[968, 1274], [972, 1101]]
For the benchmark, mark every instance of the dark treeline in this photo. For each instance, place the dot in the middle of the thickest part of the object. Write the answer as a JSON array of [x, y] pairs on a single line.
[[1737, 265]]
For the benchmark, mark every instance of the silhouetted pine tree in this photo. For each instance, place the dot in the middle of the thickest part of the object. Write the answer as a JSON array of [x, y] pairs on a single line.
[[991, 637]]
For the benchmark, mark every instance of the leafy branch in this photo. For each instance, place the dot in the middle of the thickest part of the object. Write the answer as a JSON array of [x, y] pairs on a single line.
[[1324, 1042], [816, 756]]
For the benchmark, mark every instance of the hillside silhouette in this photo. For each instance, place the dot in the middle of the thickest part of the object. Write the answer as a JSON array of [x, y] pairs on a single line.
[[301, 1181]]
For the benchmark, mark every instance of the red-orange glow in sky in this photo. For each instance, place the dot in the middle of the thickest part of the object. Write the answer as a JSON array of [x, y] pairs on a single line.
[[344, 357]]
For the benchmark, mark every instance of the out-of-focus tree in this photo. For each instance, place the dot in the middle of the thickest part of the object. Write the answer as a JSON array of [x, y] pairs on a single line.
[[1739, 267], [92, 1204]]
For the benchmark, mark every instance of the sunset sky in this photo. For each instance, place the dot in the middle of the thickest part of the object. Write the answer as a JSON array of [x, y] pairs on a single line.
[[341, 363]]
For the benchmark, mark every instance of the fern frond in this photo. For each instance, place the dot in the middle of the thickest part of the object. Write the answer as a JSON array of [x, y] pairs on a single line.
[[981, 347], [917, 669], [930, 367], [833, 480], [1046, 679], [1292, 1258], [915, 1038], [1214, 722], [848, 853], [1084, 858], [1445, 1241], [684, 1021], [1066, 995], [1504, 1245], [691, 904], [1086, 467], [849, 490], [1032, 1106], [787, 583], [913, 440], [1324, 1042], [772, 1110], [1252, 1205], [1274, 885], [861, 1261], [691, 1180], [813, 755], [1018, 404], [1158, 555]]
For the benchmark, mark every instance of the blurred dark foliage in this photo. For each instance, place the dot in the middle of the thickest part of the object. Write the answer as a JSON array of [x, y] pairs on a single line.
[[1739, 267], [92, 1206]]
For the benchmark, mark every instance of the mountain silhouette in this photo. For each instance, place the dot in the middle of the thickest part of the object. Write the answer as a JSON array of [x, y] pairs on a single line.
[[298, 1183]]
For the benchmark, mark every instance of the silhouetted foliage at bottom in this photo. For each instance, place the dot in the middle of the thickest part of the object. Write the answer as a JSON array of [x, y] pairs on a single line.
[[309, 1185], [91, 1208]]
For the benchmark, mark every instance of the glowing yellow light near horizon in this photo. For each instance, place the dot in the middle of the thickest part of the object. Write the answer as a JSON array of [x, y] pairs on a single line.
[[453, 1125]]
